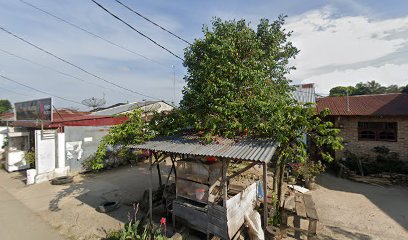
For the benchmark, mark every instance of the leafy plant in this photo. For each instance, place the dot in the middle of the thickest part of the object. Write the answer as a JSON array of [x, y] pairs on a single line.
[[311, 169], [132, 131], [135, 231], [29, 156]]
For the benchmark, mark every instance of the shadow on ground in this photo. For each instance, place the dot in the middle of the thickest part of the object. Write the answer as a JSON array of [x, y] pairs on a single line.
[[125, 184], [344, 234]]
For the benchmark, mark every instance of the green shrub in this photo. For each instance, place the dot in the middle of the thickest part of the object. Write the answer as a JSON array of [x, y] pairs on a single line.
[[29, 156], [385, 161]]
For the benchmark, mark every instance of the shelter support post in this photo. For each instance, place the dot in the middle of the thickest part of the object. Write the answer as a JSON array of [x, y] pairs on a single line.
[[265, 191], [224, 181], [158, 167], [151, 194]]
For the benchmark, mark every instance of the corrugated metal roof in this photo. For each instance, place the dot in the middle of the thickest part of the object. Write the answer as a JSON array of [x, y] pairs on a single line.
[[148, 106], [244, 149], [305, 93], [392, 104]]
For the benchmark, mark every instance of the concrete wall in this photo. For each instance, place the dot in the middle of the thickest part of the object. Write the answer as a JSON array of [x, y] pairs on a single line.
[[3, 135], [45, 154], [80, 143], [18, 145], [349, 132]]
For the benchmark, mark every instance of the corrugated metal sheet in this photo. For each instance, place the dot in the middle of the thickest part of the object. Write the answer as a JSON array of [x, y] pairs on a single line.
[[392, 104], [305, 93], [245, 149], [148, 106]]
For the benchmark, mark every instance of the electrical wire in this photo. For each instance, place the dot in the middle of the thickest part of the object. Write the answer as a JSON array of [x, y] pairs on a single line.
[[60, 72], [140, 15], [75, 66], [50, 68], [22, 94], [134, 29], [91, 33], [37, 90]]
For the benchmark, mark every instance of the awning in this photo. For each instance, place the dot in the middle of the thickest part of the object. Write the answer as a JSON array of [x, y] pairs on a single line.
[[261, 150]]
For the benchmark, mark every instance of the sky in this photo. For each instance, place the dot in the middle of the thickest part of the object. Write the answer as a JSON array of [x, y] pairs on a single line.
[[341, 42]]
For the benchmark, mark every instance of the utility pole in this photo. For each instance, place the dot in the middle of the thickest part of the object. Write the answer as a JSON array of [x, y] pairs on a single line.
[[348, 101], [174, 85]]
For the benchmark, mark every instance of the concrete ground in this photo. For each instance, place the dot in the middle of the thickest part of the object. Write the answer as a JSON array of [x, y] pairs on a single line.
[[351, 210], [18, 222]]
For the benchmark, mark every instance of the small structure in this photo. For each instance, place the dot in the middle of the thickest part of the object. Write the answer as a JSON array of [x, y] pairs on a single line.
[[368, 121], [205, 198]]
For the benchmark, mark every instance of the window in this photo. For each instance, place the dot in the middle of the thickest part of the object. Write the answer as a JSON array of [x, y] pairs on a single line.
[[377, 131]]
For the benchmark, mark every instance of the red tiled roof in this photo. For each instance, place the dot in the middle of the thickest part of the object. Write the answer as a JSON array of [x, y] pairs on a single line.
[[392, 104]]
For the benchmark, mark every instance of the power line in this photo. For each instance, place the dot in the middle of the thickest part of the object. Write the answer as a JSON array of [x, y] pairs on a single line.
[[91, 33], [22, 94], [60, 72], [35, 89], [134, 29], [75, 66], [140, 15], [50, 68]]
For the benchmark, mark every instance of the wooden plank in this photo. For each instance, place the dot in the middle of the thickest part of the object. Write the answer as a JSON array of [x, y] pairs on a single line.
[[300, 207], [195, 218], [217, 231], [289, 203], [218, 214], [221, 223], [298, 197], [310, 207], [312, 230]]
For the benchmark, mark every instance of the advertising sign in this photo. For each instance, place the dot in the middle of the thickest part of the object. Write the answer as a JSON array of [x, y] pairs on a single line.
[[40, 109]]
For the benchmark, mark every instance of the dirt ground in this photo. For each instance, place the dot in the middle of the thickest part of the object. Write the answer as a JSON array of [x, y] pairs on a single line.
[[70, 209], [347, 210], [351, 210]]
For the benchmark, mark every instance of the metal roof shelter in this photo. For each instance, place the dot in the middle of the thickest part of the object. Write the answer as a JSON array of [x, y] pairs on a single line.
[[254, 151], [260, 150]]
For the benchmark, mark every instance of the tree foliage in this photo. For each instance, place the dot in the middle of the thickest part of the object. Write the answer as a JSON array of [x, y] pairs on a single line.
[[371, 87], [237, 87], [5, 106], [236, 77], [133, 131]]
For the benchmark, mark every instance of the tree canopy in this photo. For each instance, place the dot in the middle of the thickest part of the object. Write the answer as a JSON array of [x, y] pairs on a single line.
[[5, 105], [236, 77], [237, 87], [371, 87]]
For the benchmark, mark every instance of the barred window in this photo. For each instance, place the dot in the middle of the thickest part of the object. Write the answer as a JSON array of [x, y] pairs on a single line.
[[377, 131]]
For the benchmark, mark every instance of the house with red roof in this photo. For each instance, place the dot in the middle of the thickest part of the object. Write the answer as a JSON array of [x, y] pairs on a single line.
[[369, 121]]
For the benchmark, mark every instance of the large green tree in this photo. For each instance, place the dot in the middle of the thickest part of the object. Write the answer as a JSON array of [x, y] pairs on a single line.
[[237, 86], [236, 77], [5, 105]]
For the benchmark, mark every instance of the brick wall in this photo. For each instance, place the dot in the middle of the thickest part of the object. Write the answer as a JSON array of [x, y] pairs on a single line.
[[349, 132]]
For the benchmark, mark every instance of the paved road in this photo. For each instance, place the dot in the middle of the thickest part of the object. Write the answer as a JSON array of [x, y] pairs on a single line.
[[19, 222]]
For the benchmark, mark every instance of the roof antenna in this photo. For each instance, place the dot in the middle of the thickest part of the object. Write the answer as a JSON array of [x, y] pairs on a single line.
[[348, 101]]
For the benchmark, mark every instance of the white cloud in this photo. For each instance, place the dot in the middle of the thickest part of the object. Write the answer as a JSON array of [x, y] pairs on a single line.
[[345, 50], [387, 74]]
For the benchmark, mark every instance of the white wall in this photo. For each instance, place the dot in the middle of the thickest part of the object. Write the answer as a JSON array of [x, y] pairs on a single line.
[[45, 154], [3, 134]]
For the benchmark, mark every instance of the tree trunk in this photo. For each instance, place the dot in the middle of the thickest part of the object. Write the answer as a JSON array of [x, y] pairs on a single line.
[[280, 184]]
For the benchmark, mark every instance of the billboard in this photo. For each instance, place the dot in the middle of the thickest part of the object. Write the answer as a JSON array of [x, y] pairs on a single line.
[[39, 109]]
